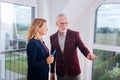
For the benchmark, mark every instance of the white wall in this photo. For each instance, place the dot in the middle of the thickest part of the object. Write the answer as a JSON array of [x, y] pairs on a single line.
[[57, 7], [44, 12]]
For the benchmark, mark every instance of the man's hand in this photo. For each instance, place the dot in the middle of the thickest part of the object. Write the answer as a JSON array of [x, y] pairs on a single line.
[[52, 76], [91, 56]]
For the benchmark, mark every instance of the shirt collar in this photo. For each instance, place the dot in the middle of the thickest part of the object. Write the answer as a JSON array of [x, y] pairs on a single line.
[[64, 33]]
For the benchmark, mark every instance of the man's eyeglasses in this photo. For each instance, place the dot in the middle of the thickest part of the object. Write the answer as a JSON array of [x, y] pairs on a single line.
[[64, 23]]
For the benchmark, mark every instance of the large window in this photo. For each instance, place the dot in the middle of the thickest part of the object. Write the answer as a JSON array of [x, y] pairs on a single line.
[[107, 43], [107, 30], [15, 20]]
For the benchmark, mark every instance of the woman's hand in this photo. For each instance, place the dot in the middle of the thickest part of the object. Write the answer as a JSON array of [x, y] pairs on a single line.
[[50, 59]]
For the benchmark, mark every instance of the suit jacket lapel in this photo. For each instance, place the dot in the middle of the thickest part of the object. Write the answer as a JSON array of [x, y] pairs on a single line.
[[57, 43], [66, 41]]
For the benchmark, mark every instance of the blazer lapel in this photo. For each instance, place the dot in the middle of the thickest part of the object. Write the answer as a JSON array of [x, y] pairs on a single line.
[[66, 41], [57, 43]]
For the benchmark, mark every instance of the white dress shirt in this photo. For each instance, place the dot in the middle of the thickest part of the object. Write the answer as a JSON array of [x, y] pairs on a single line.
[[61, 40]]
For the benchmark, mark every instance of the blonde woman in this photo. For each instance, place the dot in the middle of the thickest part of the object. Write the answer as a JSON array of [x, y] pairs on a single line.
[[37, 53]]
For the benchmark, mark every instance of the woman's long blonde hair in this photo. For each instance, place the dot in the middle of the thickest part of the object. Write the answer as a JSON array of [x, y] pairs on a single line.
[[36, 23]]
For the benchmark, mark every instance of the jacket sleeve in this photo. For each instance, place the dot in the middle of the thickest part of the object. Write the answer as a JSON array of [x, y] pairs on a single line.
[[81, 45]]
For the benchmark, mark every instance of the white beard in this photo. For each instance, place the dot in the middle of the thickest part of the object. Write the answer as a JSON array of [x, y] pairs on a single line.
[[62, 31]]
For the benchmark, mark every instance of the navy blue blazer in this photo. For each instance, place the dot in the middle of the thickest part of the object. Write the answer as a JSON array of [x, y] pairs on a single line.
[[37, 53]]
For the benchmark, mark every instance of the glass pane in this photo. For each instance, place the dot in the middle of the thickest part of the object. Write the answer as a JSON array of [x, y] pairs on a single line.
[[107, 66], [15, 20], [23, 18], [107, 29]]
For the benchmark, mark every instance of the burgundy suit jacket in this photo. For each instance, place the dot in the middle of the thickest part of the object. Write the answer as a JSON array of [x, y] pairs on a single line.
[[67, 61]]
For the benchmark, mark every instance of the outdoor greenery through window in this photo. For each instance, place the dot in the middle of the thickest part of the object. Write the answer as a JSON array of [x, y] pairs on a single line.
[[107, 66], [107, 31]]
